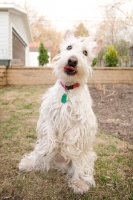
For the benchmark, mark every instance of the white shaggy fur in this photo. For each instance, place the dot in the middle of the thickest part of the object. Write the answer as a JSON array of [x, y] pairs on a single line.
[[66, 131]]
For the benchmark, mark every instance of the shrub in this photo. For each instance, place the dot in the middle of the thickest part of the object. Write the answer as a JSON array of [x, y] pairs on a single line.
[[43, 55], [111, 57], [94, 62]]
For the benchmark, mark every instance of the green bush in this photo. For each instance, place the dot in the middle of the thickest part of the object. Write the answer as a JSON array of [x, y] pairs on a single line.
[[94, 62], [43, 55], [111, 57]]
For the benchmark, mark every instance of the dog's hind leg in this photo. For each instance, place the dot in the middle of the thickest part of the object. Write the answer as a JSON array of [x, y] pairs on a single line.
[[35, 161], [40, 158], [30, 162]]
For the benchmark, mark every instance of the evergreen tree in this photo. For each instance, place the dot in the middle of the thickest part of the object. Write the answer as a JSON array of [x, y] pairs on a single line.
[[43, 55], [111, 57]]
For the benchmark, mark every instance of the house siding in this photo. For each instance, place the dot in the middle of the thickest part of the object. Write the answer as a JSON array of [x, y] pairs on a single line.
[[18, 24], [10, 37], [4, 36]]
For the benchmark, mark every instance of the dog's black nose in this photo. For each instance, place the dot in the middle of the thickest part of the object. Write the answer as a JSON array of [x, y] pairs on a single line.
[[72, 61]]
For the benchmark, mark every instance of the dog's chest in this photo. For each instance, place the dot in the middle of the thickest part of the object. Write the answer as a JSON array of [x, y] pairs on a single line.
[[64, 115], [74, 112]]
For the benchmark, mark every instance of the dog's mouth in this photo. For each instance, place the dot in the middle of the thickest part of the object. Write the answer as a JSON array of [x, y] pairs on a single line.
[[70, 70]]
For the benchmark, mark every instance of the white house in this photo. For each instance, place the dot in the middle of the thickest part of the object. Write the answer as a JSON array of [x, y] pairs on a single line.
[[15, 34]]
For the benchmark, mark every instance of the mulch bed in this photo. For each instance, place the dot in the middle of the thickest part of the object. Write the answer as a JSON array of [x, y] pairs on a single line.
[[113, 106]]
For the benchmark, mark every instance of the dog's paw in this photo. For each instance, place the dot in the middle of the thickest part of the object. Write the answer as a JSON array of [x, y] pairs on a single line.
[[79, 187], [25, 164]]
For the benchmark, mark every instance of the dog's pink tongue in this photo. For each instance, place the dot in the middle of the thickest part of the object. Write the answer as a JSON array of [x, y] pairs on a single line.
[[70, 68]]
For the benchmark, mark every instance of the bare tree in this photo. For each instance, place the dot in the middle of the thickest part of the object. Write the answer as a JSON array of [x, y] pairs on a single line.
[[42, 30], [117, 23], [35, 18], [110, 29], [52, 36], [81, 30]]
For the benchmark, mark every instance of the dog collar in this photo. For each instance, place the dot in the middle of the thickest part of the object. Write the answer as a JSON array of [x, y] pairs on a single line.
[[70, 87], [64, 97]]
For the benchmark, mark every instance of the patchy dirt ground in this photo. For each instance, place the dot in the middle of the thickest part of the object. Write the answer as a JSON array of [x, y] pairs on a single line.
[[113, 105]]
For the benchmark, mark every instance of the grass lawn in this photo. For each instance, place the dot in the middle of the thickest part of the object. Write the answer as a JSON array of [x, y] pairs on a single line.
[[18, 117]]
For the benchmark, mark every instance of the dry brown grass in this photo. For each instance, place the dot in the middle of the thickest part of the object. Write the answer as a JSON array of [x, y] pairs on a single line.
[[18, 116]]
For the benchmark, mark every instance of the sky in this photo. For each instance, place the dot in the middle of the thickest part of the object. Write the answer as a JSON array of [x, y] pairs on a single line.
[[64, 14]]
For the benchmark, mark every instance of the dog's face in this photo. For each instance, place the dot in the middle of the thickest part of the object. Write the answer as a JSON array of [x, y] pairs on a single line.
[[73, 64]]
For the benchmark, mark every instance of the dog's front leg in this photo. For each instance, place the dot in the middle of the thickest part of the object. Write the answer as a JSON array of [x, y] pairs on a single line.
[[82, 172], [77, 147]]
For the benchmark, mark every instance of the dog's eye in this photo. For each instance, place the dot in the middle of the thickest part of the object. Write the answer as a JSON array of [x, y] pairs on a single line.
[[69, 47], [85, 52]]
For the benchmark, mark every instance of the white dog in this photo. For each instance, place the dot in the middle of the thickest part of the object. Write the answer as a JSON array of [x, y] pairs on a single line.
[[67, 125]]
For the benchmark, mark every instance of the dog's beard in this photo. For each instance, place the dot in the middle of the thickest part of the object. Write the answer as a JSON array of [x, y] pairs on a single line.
[[71, 71]]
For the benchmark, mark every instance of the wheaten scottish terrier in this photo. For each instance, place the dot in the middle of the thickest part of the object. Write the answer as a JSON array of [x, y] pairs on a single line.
[[67, 125]]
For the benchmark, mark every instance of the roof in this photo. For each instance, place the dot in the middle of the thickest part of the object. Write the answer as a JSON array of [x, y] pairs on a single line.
[[33, 47], [17, 10]]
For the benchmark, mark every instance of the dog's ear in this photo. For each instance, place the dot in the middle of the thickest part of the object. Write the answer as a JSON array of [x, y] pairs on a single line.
[[68, 35], [97, 47]]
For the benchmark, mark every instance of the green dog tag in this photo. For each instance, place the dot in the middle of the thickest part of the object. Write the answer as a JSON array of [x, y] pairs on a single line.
[[64, 98]]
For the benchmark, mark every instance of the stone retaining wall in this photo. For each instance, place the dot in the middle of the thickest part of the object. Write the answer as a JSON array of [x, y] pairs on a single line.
[[43, 75], [3, 74]]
